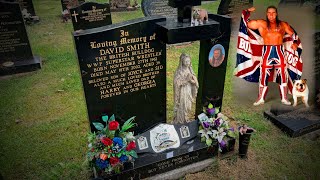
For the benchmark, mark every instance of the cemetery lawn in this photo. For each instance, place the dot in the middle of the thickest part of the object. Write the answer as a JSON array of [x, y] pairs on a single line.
[[43, 117]]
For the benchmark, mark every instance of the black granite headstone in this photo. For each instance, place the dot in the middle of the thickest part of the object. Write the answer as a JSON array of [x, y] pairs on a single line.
[[212, 78], [90, 15], [296, 122], [158, 7], [123, 70], [15, 51], [123, 5], [27, 10], [68, 4]]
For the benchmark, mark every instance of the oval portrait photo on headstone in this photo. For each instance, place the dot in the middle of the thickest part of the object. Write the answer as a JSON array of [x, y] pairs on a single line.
[[216, 55]]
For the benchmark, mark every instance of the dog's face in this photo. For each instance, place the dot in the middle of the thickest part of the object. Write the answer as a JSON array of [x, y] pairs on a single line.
[[196, 12], [300, 85]]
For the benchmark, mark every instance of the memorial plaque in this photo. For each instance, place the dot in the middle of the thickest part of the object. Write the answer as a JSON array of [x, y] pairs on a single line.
[[15, 50], [158, 7], [90, 15], [123, 70], [296, 122]]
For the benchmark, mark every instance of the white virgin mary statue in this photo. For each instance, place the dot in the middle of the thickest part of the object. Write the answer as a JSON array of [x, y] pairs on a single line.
[[185, 90]]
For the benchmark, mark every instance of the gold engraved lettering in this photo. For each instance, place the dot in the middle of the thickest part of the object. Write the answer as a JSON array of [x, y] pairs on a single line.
[[111, 51], [133, 66], [138, 46], [95, 45]]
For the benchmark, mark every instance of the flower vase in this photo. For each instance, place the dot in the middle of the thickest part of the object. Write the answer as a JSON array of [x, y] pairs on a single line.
[[244, 140], [230, 142], [213, 149]]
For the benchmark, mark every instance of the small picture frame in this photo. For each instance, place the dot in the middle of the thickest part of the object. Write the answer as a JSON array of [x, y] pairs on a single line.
[[216, 55], [184, 132], [142, 143]]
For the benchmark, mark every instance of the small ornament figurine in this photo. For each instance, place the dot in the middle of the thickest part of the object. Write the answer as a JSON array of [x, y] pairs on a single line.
[[185, 89], [199, 16]]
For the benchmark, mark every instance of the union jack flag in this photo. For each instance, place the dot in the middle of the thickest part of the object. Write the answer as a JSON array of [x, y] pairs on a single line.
[[249, 54]]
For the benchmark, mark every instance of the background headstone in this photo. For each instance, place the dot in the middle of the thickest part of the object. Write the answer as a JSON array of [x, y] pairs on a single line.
[[158, 7], [123, 70], [67, 5], [27, 10], [90, 15], [15, 51], [123, 5]]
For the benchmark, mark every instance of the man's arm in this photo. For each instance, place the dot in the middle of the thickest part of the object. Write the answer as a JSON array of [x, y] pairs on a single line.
[[253, 24], [290, 31]]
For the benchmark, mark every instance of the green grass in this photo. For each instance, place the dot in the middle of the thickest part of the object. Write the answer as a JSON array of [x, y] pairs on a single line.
[[49, 142]]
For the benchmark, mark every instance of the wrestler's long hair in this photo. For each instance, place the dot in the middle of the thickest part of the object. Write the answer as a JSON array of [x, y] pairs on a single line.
[[277, 18], [220, 56]]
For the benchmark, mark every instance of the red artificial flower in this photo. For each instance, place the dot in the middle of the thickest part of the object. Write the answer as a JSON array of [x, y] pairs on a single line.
[[131, 146], [113, 125], [114, 161], [106, 141]]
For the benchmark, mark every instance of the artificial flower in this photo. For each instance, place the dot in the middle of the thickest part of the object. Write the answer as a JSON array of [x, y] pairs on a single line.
[[107, 147], [245, 129], [118, 141], [205, 133], [130, 136], [103, 156], [113, 125], [101, 163], [218, 122], [131, 146], [106, 141], [222, 144], [206, 124], [211, 111], [114, 161], [218, 134], [123, 158]]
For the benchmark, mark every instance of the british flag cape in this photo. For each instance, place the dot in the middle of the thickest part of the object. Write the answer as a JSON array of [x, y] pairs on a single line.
[[249, 55]]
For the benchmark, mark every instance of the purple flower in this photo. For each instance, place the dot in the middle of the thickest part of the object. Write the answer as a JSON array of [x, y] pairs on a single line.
[[231, 129], [222, 144], [206, 124], [101, 163], [211, 111], [217, 122]]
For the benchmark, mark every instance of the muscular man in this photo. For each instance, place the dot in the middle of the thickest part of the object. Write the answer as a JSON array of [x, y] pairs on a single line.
[[217, 58], [272, 31]]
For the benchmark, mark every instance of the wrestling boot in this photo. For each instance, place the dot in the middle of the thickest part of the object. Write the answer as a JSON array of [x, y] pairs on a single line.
[[283, 93], [262, 94]]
